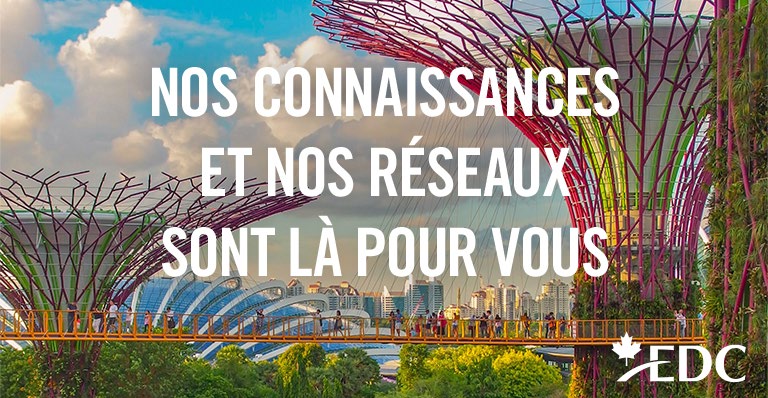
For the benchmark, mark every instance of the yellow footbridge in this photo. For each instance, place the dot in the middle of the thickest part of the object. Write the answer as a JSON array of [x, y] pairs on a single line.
[[72, 325]]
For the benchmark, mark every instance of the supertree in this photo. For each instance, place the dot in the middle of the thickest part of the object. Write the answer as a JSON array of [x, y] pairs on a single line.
[[639, 174], [65, 238]]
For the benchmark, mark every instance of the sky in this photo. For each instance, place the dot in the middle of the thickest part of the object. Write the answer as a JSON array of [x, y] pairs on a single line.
[[75, 95]]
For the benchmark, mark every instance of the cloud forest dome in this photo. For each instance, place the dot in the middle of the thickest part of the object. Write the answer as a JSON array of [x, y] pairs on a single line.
[[638, 174], [237, 297], [234, 297]]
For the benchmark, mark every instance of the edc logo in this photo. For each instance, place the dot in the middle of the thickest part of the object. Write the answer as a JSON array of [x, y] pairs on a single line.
[[626, 349]]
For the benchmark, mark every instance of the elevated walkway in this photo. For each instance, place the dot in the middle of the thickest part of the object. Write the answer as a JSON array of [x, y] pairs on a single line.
[[65, 325]]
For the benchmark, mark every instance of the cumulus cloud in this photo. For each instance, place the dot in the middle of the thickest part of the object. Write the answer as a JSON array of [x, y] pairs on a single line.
[[110, 71], [24, 114], [23, 109], [19, 21], [182, 141], [111, 65], [138, 151], [312, 54], [73, 13]]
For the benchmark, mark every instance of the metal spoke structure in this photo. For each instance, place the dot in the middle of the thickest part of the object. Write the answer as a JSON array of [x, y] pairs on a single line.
[[639, 174], [65, 238]]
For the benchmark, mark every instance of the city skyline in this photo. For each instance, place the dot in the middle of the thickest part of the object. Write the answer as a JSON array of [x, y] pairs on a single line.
[[419, 296]]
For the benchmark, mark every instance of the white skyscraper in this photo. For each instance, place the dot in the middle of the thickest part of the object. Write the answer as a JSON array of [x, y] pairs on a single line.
[[560, 294], [507, 299], [436, 295]]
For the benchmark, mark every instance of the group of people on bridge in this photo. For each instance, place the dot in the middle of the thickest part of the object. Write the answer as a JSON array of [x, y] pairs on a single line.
[[435, 324]]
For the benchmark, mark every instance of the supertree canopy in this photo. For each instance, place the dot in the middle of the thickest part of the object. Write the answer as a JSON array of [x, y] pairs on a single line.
[[67, 239], [638, 174]]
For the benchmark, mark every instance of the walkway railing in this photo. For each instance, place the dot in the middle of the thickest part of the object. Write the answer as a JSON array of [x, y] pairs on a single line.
[[75, 325]]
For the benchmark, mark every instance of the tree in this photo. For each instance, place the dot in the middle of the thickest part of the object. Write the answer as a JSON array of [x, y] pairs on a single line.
[[412, 365], [292, 368], [473, 363], [234, 365], [265, 372], [356, 372], [476, 371], [521, 373], [332, 389], [296, 382], [146, 369], [201, 381], [309, 354], [18, 373]]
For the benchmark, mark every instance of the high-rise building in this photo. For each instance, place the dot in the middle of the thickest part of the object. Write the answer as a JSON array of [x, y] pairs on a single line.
[[507, 299], [391, 301], [422, 295], [436, 295], [560, 293], [528, 305], [372, 304], [491, 298], [416, 296], [342, 296], [478, 302], [547, 303]]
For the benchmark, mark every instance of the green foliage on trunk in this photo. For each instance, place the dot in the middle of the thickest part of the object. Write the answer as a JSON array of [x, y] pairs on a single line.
[[19, 376], [738, 161]]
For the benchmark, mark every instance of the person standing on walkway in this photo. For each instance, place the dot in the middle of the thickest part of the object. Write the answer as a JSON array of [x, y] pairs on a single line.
[[97, 319], [337, 324], [682, 321], [259, 320], [392, 323], [398, 322], [455, 324], [526, 322], [429, 324], [317, 320], [563, 323], [71, 317], [112, 317], [129, 315], [147, 320], [170, 319], [484, 325]]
